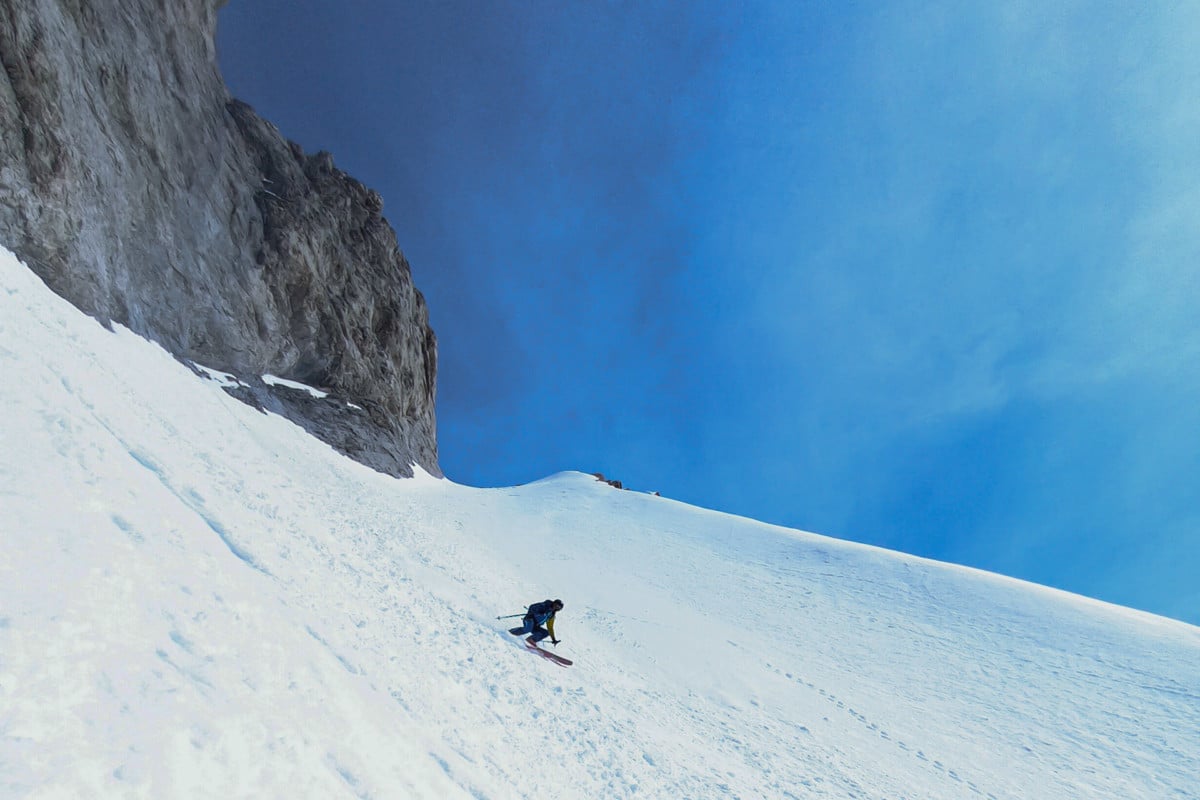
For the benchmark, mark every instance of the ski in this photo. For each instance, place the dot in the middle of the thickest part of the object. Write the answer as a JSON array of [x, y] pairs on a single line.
[[557, 659]]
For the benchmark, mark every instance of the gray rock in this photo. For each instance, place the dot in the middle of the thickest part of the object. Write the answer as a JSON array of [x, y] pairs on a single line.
[[142, 192]]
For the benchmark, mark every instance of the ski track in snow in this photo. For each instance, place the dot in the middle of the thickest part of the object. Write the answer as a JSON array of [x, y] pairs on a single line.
[[198, 600]]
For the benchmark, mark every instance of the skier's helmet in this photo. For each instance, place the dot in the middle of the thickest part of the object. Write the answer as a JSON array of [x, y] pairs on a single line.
[[558, 605]]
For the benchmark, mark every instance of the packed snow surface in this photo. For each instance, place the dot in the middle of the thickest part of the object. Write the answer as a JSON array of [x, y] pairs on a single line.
[[198, 600]]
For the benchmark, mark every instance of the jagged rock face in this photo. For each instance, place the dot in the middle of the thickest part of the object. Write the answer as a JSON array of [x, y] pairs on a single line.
[[142, 192]]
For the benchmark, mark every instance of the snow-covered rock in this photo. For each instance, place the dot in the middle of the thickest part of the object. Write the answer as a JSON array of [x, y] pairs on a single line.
[[143, 193]]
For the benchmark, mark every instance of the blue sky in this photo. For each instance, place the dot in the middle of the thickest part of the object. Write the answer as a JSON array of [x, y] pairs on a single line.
[[923, 275]]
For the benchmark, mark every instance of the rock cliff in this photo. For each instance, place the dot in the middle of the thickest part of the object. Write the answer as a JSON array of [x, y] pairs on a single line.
[[141, 191]]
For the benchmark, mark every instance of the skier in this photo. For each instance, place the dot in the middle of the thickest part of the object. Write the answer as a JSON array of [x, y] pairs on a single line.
[[539, 614]]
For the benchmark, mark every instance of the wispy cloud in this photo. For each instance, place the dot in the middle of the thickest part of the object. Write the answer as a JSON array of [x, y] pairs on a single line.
[[984, 246]]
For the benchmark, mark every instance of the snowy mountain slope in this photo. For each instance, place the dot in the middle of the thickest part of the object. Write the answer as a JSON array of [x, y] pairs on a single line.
[[199, 600]]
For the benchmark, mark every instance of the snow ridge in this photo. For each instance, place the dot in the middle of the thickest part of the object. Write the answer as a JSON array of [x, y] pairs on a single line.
[[199, 600]]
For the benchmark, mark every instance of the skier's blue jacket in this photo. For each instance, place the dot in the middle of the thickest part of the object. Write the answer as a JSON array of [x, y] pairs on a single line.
[[542, 614]]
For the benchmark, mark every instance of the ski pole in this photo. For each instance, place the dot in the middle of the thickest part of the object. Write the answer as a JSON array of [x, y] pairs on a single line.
[[511, 616]]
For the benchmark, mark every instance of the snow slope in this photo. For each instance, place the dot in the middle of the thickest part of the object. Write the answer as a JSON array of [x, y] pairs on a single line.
[[198, 600]]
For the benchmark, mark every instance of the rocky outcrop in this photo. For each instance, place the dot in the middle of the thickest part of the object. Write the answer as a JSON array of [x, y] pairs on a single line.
[[142, 192], [613, 483]]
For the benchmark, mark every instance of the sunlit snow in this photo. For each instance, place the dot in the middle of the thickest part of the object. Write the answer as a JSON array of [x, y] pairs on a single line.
[[198, 600], [272, 380]]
